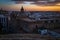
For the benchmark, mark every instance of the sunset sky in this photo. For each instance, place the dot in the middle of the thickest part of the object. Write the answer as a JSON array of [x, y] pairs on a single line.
[[31, 5]]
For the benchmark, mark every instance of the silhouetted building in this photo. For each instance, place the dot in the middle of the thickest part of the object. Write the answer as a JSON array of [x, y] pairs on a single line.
[[3, 11], [22, 9], [22, 12]]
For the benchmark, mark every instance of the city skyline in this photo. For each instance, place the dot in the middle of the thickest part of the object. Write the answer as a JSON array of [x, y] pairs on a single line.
[[30, 5]]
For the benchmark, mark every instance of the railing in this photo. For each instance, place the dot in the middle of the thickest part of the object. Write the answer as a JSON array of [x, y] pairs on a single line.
[[25, 37]]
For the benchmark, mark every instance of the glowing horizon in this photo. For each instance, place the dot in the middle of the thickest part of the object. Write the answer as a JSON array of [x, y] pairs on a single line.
[[30, 6]]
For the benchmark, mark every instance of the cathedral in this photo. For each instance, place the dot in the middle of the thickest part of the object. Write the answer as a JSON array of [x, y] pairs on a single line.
[[22, 9], [22, 12]]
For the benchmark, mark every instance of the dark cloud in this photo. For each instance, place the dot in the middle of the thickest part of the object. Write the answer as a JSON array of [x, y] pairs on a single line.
[[38, 2], [19, 2], [30, 0], [24, 0]]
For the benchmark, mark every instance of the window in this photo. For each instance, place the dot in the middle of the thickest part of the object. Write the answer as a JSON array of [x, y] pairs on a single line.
[[46, 21]]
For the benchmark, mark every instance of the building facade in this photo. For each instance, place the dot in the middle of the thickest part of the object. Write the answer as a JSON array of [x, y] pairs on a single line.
[[4, 23]]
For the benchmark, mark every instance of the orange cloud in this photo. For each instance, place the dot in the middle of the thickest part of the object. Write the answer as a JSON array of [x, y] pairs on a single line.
[[43, 8], [17, 7]]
